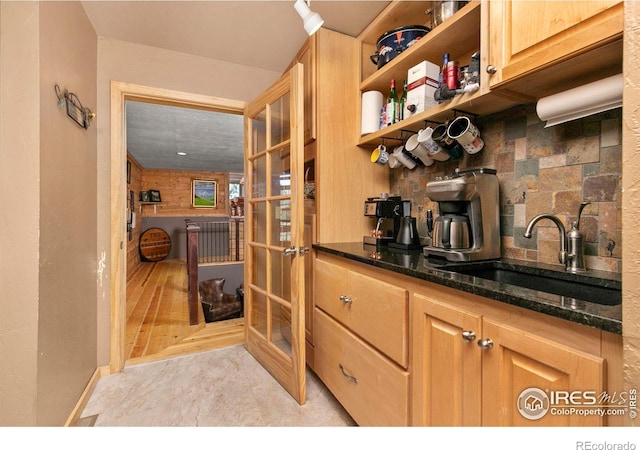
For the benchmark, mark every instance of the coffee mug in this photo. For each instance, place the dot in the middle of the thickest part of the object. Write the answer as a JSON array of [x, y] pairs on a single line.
[[451, 146], [414, 147], [406, 161], [466, 133], [380, 155], [393, 162], [437, 153]]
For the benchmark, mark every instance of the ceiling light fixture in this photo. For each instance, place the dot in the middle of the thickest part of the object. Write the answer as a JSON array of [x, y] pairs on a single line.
[[311, 20], [182, 154]]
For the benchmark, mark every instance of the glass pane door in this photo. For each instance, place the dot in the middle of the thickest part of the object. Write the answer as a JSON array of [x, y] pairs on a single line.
[[274, 266]]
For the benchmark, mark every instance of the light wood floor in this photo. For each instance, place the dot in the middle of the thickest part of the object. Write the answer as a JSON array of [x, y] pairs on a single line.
[[158, 318]]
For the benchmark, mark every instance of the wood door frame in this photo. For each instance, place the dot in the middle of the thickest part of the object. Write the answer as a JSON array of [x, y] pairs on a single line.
[[121, 92]]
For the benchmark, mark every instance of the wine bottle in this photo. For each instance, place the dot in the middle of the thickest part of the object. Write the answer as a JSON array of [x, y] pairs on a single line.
[[403, 102], [392, 105]]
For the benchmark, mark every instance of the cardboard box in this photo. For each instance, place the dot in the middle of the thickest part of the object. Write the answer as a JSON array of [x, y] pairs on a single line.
[[422, 82]]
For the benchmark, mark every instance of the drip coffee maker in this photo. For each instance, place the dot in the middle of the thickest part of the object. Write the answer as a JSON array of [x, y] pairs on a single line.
[[468, 224]]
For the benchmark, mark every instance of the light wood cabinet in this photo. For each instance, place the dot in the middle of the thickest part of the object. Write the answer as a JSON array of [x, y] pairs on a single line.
[[361, 343], [453, 380], [447, 367], [520, 360], [470, 368], [542, 46]]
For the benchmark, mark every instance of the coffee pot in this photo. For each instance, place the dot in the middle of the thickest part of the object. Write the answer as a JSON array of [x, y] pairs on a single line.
[[408, 237], [452, 231]]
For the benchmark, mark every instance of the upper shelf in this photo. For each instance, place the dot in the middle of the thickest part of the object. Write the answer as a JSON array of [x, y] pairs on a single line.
[[464, 27], [459, 36]]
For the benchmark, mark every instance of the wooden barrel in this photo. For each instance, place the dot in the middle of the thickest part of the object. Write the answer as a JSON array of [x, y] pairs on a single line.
[[155, 244]]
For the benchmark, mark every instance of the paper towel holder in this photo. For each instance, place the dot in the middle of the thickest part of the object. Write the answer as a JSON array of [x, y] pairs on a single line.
[[582, 101]]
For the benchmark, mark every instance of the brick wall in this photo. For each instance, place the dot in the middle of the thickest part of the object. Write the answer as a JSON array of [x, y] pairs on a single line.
[[542, 170]]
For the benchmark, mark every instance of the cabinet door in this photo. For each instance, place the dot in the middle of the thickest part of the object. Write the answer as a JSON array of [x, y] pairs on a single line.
[[446, 378], [528, 35], [521, 369]]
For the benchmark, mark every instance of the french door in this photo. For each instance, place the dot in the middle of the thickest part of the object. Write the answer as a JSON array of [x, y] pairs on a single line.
[[274, 214]]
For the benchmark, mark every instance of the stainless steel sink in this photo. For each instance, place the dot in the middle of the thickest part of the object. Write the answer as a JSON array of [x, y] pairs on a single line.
[[573, 286]]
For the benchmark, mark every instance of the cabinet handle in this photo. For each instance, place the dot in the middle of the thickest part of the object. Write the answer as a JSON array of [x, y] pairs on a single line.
[[346, 300], [485, 344], [303, 251], [469, 335], [491, 69], [353, 379]]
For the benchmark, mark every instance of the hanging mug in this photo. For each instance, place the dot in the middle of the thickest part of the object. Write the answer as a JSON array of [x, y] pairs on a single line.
[[414, 147], [406, 161], [451, 146], [466, 133], [380, 155], [436, 152]]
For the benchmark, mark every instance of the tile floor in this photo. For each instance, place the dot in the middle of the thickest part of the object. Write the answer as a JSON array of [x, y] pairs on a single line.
[[225, 387]]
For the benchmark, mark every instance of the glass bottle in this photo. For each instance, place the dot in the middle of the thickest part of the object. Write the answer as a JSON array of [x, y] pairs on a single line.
[[403, 102], [392, 105]]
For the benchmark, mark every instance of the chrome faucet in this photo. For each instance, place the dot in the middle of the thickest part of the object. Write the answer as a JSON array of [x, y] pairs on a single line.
[[571, 253]]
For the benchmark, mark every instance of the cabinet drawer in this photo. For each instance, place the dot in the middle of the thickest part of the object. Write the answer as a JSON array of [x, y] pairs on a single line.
[[373, 390], [375, 310]]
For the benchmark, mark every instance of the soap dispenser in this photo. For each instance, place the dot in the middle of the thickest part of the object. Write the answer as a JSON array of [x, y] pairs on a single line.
[[575, 248]]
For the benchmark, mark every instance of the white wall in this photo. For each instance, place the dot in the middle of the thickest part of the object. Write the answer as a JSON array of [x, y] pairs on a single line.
[[149, 66]]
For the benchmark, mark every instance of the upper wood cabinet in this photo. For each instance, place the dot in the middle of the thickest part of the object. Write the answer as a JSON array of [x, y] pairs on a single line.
[[538, 47]]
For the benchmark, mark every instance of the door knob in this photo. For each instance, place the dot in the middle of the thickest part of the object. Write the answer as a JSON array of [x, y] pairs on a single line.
[[485, 344], [491, 69], [291, 251]]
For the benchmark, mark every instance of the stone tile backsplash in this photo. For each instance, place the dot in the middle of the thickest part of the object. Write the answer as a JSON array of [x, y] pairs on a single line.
[[542, 170]]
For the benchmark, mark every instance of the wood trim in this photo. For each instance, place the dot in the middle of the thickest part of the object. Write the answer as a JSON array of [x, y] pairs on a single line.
[[75, 415], [120, 92]]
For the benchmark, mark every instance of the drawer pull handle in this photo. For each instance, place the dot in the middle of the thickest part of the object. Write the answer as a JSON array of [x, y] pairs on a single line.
[[468, 335], [353, 379]]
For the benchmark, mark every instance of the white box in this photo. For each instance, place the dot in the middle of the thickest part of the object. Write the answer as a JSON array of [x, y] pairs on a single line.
[[422, 82]]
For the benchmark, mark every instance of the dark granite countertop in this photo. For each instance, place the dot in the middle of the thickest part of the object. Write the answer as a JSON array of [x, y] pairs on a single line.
[[414, 264]]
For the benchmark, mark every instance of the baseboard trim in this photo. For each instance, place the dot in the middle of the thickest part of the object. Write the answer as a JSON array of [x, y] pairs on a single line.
[[86, 394]]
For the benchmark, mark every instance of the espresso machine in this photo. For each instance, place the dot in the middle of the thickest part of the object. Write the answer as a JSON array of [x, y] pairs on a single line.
[[467, 227], [387, 209]]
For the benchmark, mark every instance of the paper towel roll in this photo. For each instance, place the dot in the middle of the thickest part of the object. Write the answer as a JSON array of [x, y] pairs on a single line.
[[371, 107], [582, 101]]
